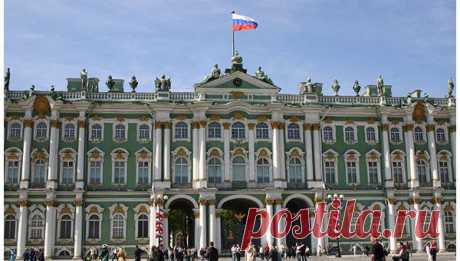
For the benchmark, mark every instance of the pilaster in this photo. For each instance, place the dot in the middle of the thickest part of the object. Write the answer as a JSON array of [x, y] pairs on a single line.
[[386, 153], [410, 152], [28, 125]]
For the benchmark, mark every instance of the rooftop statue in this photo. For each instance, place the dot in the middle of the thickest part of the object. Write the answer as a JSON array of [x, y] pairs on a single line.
[[7, 79], [214, 74], [163, 84], [110, 83], [335, 87], [133, 83], [30, 93], [380, 86], [84, 79], [262, 76], [237, 59], [356, 87], [450, 88]]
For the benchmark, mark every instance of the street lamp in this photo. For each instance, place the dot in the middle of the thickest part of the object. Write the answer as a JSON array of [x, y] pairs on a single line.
[[331, 198]]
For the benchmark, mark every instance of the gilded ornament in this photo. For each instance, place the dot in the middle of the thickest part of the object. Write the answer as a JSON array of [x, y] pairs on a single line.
[[214, 153], [203, 124], [226, 125], [385, 126], [28, 123], [203, 201], [307, 126], [251, 126], [158, 125], [315, 126], [55, 124], [261, 118], [78, 202], [214, 117], [41, 105], [81, 124], [294, 119], [408, 127], [238, 115], [419, 112], [23, 202], [236, 95], [269, 201], [167, 125]]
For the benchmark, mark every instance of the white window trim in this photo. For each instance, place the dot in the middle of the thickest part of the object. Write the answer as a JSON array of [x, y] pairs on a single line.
[[376, 131], [221, 168], [101, 159], [333, 133], [449, 164], [302, 167], [221, 131], [424, 134], [189, 164], [335, 172], [137, 214], [403, 165], [125, 160], [36, 210], [446, 134], [138, 132], [246, 131], [63, 138], [16, 220], [147, 159], [427, 167], [300, 139], [99, 214], [355, 134], [268, 157], [358, 156], [189, 130], [116, 123], [401, 134], [33, 160], [270, 131], [379, 178], [124, 215], [36, 122], [59, 218], [91, 123], [18, 153], [9, 130], [246, 162], [61, 165]]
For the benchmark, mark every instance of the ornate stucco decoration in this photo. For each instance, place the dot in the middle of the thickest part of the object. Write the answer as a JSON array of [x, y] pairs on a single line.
[[238, 152], [214, 117], [41, 106], [214, 153], [238, 115], [236, 94], [261, 118], [294, 119], [419, 113], [144, 118]]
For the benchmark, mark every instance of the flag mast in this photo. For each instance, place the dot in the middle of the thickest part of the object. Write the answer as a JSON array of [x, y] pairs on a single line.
[[233, 39]]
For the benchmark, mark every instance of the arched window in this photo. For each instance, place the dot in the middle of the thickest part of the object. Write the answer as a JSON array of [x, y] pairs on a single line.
[[41, 130], [370, 135], [95, 172], [395, 135], [373, 171], [67, 172], [422, 172], [440, 135], [65, 227], [36, 228], [263, 171], [144, 132], [293, 131], [10, 227], [238, 131], [12, 172], [214, 170], [96, 132], [349, 135], [142, 226], [181, 171], [352, 170], [328, 135], [397, 168], [214, 130], [119, 172], [142, 172], [262, 131], [239, 169], [120, 134], [93, 227], [69, 131], [118, 226], [418, 134], [181, 130], [39, 172], [329, 171], [295, 171], [15, 130], [444, 171], [449, 221]]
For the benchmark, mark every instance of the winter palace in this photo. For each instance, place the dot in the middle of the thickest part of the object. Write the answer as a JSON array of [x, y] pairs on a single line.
[[103, 164]]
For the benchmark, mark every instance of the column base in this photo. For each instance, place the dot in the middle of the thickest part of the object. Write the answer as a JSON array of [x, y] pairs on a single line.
[[162, 184], [436, 183], [414, 184], [200, 184], [389, 184], [314, 184], [24, 184], [280, 184]]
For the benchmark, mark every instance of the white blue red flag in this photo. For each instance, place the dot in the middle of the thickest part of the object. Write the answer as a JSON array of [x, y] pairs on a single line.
[[241, 22]]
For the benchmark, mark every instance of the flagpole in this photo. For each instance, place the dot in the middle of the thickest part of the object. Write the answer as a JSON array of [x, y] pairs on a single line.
[[233, 38]]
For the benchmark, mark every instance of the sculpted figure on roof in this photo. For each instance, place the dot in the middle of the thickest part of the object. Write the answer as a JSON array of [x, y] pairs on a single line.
[[84, 79], [110, 83], [450, 88], [380, 86], [163, 84], [262, 76]]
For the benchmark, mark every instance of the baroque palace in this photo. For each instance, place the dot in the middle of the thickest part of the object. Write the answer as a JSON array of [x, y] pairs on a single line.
[[87, 167]]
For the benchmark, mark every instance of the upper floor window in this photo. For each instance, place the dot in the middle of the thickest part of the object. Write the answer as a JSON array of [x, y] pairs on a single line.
[[12, 172], [67, 172], [214, 170], [69, 131], [144, 132], [142, 226], [36, 228], [370, 135], [329, 171], [15, 130], [10, 227], [440, 135], [239, 168], [444, 171], [422, 172], [96, 132], [398, 172], [293, 131], [418, 134], [295, 171], [181, 171], [328, 135], [118, 226], [94, 227], [449, 222], [263, 171], [238, 131], [39, 172], [95, 172], [41, 130], [119, 171], [214, 130], [142, 172], [181, 130], [373, 171], [349, 135], [262, 131], [395, 135], [120, 132], [352, 172], [65, 227]]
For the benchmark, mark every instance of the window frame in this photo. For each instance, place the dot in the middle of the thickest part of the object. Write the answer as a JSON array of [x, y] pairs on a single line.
[[14, 232], [21, 130], [290, 131], [97, 213], [140, 130], [210, 127], [138, 219], [47, 130], [300, 164], [32, 228], [100, 159], [446, 136], [91, 128], [64, 136], [416, 134], [59, 225], [262, 130], [241, 129], [244, 164], [181, 127], [115, 131], [376, 134], [34, 171], [267, 165], [332, 127], [219, 168], [400, 134], [355, 137]]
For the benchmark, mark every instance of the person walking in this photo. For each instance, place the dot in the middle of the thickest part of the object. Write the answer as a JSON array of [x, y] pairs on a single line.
[[138, 253], [114, 254], [433, 250], [12, 254], [251, 253], [121, 254], [403, 253], [274, 253], [298, 251], [378, 252], [428, 251], [104, 253], [211, 253]]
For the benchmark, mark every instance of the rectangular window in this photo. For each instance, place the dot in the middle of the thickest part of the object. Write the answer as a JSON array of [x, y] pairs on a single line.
[[66, 229], [329, 171], [214, 176], [142, 228], [13, 172], [95, 172], [449, 222], [143, 172], [67, 172], [397, 172], [351, 172], [263, 174], [119, 172], [373, 172], [93, 229], [444, 171]]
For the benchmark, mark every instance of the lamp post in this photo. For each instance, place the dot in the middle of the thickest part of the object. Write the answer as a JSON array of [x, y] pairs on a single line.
[[331, 198]]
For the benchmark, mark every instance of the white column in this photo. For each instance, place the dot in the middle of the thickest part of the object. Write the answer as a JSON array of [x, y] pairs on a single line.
[[81, 152], [418, 241], [152, 234], [281, 224], [167, 152], [391, 223], [53, 155], [227, 177], [158, 151], [218, 242], [212, 223], [195, 156], [276, 150], [251, 136], [440, 224], [166, 228], [432, 151], [410, 152], [453, 144], [50, 228], [317, 152], [77, 235], [308, 152], [320, 243], [25, 175], [269, 206], [196, 213], [202, 160], [282, 155], [388, 181], [203, 241], [22, 228]]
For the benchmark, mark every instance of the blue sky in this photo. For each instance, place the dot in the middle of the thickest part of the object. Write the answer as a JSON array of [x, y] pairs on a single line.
[[411, 43]]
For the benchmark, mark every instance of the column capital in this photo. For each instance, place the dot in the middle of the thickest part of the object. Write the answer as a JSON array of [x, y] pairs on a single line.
[[226, 125], [315, 126], [203, 123], [203, 201], [385, 126], [195, 125], [28, 123], [55, 124], [270, 201], [78, 202], [307, 126], [390, 200], [452, 128], [23, 203], [51, 203], [429, 127], [81, 123], [408, 127], [251, 126], [167, 125], [158, 125], [437, 199], [414, 200]]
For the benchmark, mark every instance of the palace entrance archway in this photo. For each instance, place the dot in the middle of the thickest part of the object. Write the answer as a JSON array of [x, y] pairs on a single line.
[[295, 204], [181, 223]]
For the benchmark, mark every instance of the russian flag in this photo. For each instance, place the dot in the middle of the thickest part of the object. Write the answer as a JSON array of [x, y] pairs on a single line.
[[241, 22]]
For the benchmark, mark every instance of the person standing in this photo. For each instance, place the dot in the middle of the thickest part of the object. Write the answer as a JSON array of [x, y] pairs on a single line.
[[121, 254], [403, 253], [114, 254], [433, 250], [12, 254], [251, 253], [211, 253], [378, 252], [104, 253], [138, 253], [298, 251]]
